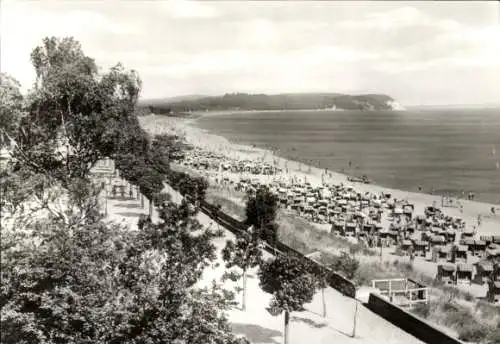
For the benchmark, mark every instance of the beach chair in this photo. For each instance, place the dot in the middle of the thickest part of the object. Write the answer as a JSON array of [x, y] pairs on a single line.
[[464, 274], [484, 271], [446, 274], [493, 294], [479, 248], [459, 254]]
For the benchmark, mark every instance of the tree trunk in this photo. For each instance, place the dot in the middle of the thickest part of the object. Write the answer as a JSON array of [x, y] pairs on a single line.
[[323, 301], [355, 316], [142, 201], [287, 321], [150, 208], [244, 296]]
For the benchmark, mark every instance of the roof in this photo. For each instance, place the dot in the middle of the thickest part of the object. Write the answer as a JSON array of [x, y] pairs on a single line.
[[468, 241], [445, 249], [447, 267], [461, 248], [464, 267], [487, 266], [437, 238], [480, 242]]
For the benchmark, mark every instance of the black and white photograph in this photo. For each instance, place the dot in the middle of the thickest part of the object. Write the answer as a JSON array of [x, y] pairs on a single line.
[[249, 172]]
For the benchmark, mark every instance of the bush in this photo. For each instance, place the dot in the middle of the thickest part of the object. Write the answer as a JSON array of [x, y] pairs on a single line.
[[494, 336], [469, 297], [472, 331], [343, 264], [458, 316], [422, 310], [487, 310]]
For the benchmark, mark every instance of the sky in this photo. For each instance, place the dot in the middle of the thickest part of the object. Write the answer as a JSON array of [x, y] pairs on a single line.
[[420, 53]]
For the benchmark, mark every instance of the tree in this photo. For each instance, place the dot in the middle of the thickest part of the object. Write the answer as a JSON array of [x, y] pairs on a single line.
[[322, 281], [289, 280], [70, 277], [101, 283], [344, 264], [151, 184], [245, 253], [261, 213], [11, 109], [170, 147], [75, 116]]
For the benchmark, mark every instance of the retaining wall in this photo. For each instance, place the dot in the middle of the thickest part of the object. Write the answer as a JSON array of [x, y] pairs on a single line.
[[408, 322]]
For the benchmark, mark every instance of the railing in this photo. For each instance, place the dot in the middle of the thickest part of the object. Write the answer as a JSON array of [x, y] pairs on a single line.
[[410, 296]]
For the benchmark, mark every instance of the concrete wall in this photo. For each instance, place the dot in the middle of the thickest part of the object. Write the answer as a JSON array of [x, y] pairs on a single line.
[[408, 322]]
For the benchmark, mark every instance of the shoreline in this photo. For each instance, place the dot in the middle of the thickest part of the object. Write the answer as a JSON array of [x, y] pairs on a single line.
[[348, 171], [212, 142]]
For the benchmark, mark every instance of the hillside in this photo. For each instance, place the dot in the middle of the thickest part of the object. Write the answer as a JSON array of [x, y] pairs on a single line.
[[290, 101]]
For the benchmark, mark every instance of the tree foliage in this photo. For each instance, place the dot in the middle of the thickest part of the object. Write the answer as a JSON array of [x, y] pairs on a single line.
[[297, 101], [261, 213], [245, 252], [288, 279], [101, 283], [75, 116], [11, 108], [344, 264], [69, 276]]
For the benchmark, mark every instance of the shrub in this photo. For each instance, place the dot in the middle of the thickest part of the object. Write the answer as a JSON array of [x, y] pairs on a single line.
[[494, 336], [469, 297], [457, 316], [472, 331], [487, 310], [343, 264], [422, 309]]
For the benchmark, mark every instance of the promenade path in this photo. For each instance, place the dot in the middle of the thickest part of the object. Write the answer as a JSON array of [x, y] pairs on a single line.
[[259, 326]]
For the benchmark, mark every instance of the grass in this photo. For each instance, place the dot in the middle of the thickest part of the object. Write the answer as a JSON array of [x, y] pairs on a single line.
[[228, 206], [299, 234], [476, 322]]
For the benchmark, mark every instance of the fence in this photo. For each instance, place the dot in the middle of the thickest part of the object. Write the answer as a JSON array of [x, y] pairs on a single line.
[[401, 291]]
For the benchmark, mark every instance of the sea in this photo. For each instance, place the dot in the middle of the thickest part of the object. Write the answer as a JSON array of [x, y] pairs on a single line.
[[440, 151]]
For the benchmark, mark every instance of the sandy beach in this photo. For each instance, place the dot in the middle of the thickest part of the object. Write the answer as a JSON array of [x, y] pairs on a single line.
[[490, 224]]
